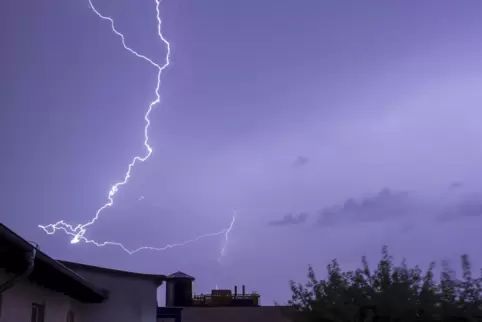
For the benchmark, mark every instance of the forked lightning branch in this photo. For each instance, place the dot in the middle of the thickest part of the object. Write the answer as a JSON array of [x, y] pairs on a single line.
[[78, 232]]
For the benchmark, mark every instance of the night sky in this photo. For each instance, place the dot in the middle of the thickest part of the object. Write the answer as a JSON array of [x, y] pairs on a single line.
[[368, 94]]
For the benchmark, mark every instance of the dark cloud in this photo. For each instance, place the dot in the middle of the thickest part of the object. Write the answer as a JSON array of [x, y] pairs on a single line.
[[456, 185], [300, 161], [392, 205], [384, 204], [290, 219], [467, 206]]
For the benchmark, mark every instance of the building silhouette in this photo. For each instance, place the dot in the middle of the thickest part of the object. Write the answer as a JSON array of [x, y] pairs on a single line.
[[182, 305]]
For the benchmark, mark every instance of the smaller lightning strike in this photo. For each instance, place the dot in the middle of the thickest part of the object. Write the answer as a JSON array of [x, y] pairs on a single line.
[[226, 236], [224, 232], [133, 251]]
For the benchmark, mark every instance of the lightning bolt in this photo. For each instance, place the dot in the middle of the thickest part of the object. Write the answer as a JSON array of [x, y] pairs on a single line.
[[226, 236], [78, 231], [132, 251]]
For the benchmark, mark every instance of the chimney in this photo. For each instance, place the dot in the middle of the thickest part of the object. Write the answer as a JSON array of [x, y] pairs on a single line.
[[244, 290], [235, 290]]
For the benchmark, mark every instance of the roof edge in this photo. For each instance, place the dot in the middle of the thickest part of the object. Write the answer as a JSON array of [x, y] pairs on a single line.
[[158, 278], [16, 239]]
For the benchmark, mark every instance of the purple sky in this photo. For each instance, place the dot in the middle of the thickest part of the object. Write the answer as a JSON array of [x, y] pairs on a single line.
[[374, 94]]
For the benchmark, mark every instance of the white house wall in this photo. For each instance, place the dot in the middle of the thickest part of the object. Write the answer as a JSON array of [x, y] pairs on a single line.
[[17, 302], [131, 299]]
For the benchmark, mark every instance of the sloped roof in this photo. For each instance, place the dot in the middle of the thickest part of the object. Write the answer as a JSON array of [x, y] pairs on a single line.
[[13, 248], [181, 275], [158, 278]]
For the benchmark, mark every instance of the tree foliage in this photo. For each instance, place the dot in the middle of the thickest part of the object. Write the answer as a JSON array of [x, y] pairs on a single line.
[[389, 293]]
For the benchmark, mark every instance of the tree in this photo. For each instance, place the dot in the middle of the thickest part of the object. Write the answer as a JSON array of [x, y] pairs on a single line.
[[389, 293]]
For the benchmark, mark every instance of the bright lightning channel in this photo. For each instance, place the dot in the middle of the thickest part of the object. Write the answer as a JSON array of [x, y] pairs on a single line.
[[78, 231], [226, 237]]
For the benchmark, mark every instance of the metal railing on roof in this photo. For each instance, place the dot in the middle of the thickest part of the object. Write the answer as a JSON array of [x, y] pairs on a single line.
[[225, 298]]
